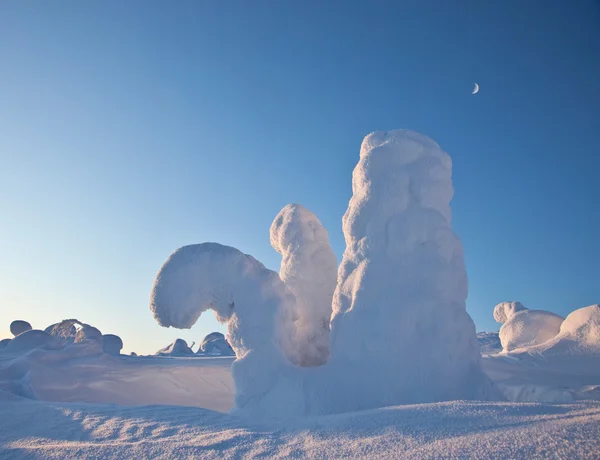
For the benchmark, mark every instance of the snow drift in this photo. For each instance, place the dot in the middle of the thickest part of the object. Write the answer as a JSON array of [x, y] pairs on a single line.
[[400, 332], [309, 270], [524, 328]]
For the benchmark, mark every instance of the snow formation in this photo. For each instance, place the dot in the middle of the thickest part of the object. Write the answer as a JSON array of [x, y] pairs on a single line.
[[112, 344], [215, 344], [19, 326], [399, 311], [177, 348], [579, 335], [524, 328], [253, 301], [505, 310], [400, 332], [309, 270]]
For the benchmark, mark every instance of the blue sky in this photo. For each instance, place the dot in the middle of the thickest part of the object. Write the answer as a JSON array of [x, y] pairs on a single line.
[[128, 129]]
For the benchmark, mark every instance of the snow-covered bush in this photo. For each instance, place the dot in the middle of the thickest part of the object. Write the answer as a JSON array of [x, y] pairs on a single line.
[[65, 331], [524, 328], [87, 332], [19, 326], [309, 270]]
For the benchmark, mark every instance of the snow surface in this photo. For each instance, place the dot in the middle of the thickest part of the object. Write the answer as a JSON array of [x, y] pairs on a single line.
[[309, 270], [442, 430], [489, 343], [83, 373]]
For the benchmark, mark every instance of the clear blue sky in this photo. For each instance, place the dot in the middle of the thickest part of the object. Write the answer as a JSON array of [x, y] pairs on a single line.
[[128, 129]]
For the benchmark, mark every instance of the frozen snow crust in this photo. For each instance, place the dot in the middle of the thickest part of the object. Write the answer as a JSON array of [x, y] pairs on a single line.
[[400, 333]]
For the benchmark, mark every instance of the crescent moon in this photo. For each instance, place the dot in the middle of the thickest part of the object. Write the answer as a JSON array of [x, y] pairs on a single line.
[[475, 89]]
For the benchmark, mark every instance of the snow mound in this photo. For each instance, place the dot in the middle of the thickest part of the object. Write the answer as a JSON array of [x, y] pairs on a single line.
[[177, 348], [19, 326], [112, 344], [504, 310], [30, 340], [579, 335], [399, 312], [525, 328], [309, 270], [215, 344], [3, 343]]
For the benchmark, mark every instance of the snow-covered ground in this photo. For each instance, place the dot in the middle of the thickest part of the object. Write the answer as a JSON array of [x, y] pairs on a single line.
[[439, 430], [138, 414]]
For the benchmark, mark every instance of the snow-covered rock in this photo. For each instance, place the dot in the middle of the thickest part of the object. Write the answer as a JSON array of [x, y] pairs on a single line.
[[112, 344], [309, 270], [19, 326], [177, 348], [525, 328]]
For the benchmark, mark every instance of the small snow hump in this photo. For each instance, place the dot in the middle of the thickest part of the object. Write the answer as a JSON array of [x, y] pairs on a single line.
[[19, 326]]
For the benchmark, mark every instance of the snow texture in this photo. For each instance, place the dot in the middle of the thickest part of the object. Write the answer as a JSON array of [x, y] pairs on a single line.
[[65, 331], [19, 326], [309, 270], [444, 430], [524, 328], [112, 344], [400, 332]]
